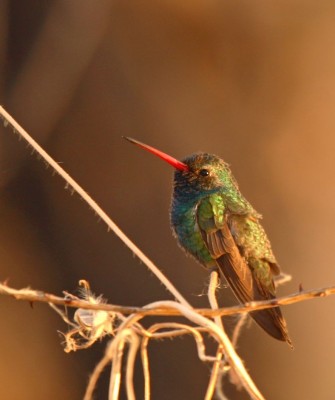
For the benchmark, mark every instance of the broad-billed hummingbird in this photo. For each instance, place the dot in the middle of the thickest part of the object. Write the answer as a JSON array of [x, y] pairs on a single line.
[[216, 225]]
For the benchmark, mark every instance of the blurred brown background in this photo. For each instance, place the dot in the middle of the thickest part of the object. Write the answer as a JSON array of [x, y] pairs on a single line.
[[253, 82]]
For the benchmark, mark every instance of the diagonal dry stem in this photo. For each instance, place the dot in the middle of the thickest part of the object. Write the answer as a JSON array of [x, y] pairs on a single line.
[[70, 182], [217, 366]]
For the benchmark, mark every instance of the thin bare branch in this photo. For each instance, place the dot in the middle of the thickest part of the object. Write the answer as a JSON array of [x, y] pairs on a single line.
[[230, 353], [213, 285], [174, 329], [146, 368], [97, 372], [30, 295], [70, 182], [134, 344], [116, 350], [215, 373], [238, 328]]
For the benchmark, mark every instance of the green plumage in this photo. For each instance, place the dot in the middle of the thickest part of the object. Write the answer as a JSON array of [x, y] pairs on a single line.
[[216, 225]]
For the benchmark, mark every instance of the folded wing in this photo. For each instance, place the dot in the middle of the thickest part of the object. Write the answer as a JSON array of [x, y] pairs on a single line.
[[220, 243]]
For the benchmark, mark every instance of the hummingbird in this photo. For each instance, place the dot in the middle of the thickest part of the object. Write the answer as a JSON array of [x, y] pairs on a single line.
[[215, 224]]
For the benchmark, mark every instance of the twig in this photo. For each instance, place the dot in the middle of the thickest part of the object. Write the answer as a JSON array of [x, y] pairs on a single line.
[[238, 328], [232, 357], [39, 296], [213, 284], [97, 372], [215, 373], [177, 330], [116, 351], [8, 119], [133, 348], [146, 370]]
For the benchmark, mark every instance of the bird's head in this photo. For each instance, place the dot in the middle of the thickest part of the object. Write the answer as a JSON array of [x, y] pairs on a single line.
[[198, 174]]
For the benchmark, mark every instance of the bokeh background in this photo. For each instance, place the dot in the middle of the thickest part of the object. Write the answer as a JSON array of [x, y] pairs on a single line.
[[253, 82]]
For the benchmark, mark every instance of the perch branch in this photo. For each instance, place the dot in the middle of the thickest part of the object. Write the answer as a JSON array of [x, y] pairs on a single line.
[[32, 296]]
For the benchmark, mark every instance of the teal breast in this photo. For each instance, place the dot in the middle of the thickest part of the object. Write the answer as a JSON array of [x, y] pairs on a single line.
[[185, 228]]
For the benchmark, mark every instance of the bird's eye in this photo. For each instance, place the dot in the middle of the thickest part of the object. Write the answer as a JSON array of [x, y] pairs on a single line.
[[204, 172]]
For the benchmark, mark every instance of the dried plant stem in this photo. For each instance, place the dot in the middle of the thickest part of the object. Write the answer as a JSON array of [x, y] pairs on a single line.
[[116, 351], [172, 330], [233, 359], [213, 284], [238, 328], [8, 119], [30, 295], [134, 344], [145, 366], [215, 373], [215, 376], [97, 372]]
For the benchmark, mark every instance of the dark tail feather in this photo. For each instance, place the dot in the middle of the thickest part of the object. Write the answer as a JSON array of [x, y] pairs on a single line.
[[273, 322], [241, 281]]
